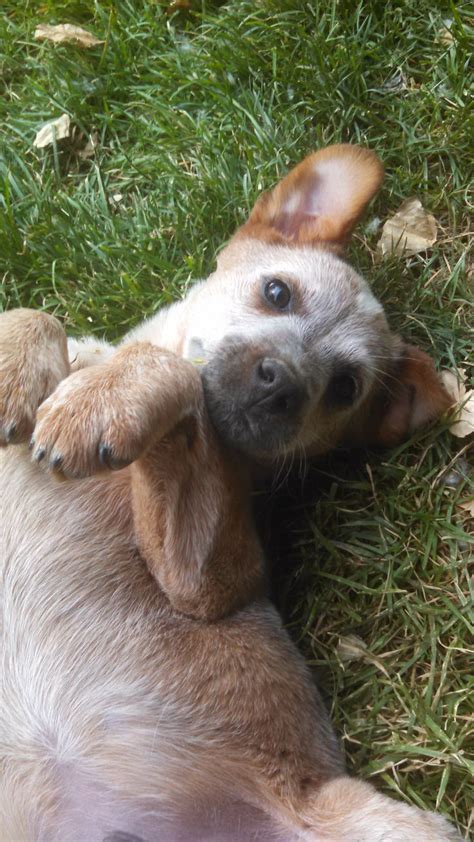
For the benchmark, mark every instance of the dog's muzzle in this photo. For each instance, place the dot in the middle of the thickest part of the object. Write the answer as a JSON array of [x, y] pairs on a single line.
[[255, 399]]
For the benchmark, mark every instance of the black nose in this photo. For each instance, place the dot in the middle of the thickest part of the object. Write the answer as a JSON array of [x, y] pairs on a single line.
[[275, 388]]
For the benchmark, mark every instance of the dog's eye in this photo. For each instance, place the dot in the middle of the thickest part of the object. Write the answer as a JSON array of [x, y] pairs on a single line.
[[343, 389], [277, 293]]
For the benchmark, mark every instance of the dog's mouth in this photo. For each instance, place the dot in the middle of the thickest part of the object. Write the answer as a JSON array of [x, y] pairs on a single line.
[[255, 400]]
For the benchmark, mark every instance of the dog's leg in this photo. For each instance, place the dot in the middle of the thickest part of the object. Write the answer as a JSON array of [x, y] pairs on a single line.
[[189, 498], [345, 808], [192, 520], [34, 357], [33, 360]]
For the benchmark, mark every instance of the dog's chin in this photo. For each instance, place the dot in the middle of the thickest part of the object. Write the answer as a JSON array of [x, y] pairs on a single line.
[[244, 424], [258, 436]]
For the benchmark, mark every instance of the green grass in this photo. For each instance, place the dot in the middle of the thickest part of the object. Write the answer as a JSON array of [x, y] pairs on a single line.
[[195, 114]]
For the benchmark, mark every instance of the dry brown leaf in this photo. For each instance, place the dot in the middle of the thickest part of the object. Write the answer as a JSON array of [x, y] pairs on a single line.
[[453, 382], [467, 506], [90, 148], [463, 424], [54, 130], [66, 33], [410, 230], [353, 648], [444, 34]]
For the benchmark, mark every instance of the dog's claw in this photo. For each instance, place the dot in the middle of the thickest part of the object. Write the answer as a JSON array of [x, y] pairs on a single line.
[[7, 432], [104, 455], [107, 459], [56, 462], [11, 432], [39, 454]]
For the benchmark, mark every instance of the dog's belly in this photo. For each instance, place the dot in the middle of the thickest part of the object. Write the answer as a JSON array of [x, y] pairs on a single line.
[[91, 813], [94, 700]]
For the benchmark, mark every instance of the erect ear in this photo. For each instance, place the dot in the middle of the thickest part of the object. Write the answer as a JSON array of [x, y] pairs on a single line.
[[415, 395], [319, 200]]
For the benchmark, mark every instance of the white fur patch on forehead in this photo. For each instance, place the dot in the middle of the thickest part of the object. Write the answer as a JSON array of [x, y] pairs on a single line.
[[317, 273], [329, 296]]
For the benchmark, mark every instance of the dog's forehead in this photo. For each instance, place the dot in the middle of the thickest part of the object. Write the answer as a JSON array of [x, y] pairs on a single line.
[[332, 304], [327, 286]]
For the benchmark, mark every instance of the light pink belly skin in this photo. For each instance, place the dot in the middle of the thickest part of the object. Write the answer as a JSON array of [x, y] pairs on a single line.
[[90, 813]]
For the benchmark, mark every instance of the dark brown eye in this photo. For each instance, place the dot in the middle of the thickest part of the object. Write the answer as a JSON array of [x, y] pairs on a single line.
[[277, 294], [343, 389]]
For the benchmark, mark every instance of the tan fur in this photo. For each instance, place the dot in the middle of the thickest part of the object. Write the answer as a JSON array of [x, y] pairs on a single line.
[[415, 376], [143, 665]]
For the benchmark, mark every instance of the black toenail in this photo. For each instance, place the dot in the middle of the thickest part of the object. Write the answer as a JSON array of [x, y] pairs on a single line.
[[104, 454], [40, 454], [56, 461], [108, 460], [11, 432]]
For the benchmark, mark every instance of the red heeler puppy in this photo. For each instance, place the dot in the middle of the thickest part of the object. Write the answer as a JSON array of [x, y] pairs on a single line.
[[149, 689]]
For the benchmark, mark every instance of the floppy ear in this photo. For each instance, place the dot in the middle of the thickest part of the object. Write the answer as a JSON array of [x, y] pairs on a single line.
[[415, 395], [319, 200]]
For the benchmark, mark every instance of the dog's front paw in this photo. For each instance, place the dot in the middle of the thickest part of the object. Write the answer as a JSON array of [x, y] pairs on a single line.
[[106, 416], [33, 360], [91, 422]]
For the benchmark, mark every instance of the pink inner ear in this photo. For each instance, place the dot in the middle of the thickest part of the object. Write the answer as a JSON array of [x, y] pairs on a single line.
[[301, 205], [326, 190], [322, 198]]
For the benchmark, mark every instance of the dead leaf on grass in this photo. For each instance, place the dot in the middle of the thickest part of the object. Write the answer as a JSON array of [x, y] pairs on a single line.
[[396, 82], [54, 130], [467, 506], [463, 424], [444, 34], [410, 230], [90, 148], [66, 33], [353, 648]]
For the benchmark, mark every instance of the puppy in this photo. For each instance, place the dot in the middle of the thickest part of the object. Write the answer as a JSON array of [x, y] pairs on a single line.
[[149, 689]]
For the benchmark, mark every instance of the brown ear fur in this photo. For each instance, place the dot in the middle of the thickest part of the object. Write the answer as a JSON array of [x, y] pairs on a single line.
[[320, 200], [416, 396]]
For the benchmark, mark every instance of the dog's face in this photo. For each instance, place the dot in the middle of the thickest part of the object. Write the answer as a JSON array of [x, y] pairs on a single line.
[[294, 342], [297, 350]]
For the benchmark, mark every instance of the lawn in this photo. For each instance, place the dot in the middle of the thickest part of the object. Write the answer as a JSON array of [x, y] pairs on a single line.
[[193, 112]]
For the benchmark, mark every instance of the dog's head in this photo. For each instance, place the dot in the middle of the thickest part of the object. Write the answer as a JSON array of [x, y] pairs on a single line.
[[297, 349]]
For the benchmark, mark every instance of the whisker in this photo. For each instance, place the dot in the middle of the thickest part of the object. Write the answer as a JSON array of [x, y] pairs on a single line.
[[279, 459], [393, 360], [303, 461]]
